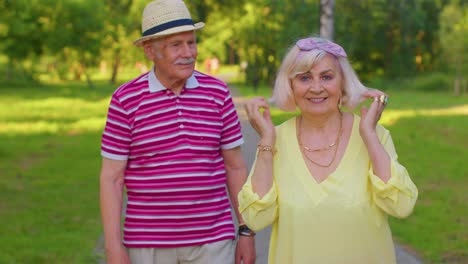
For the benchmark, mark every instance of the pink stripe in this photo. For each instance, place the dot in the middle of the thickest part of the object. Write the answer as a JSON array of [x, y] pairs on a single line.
[[174, 236], [180, 220], [179, 198], [175, 193], [177, 212], [186, 184], [176, 225], [181, 244]]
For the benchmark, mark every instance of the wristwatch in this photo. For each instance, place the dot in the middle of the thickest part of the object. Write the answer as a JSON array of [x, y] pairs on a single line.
[[244, 230]]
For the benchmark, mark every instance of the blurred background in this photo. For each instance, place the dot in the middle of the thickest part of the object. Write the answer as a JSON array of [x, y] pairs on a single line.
[[60, 60]]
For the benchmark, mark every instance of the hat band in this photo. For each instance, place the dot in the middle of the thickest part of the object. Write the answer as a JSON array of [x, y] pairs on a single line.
[[168, 25]]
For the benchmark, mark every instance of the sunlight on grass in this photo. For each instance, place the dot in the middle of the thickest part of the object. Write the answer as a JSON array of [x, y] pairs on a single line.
[[64, 115], [390, 117], [52, 115]]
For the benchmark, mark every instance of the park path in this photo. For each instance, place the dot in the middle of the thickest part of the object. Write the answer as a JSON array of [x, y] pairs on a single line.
[[263, 237]]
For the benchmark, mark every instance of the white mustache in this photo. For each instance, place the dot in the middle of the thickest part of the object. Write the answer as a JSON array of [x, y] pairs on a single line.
[[185, 61]]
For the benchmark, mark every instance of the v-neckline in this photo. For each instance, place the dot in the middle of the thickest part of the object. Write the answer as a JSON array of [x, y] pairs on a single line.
[[333, 174]]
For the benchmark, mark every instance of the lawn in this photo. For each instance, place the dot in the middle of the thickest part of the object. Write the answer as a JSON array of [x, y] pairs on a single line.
[[49, 165], [430, 134]]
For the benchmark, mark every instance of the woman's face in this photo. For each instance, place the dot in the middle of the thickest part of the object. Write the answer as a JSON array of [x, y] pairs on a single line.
[[318, 91]]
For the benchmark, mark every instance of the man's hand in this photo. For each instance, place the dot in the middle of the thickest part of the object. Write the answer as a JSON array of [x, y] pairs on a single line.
[[118, 256], [245, 250]]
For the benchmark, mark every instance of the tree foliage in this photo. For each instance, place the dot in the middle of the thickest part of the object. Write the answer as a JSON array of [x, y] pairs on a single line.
[[383, 38], [454, 41]]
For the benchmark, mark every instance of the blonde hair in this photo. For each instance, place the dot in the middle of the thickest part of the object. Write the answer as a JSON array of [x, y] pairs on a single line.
[[294, 64]]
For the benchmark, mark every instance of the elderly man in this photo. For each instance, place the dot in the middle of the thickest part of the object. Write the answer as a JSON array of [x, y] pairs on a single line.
[[172, 138]]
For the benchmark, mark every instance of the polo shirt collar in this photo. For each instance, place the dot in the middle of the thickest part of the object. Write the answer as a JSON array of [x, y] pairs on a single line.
[[156, 86]]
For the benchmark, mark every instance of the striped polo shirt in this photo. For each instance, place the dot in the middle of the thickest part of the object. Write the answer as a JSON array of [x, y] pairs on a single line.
[[175, 176]]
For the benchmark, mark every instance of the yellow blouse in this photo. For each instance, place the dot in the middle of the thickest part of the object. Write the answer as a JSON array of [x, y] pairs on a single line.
[[340, 220]]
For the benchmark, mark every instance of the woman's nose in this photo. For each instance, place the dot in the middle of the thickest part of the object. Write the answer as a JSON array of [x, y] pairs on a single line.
[[315, 86]]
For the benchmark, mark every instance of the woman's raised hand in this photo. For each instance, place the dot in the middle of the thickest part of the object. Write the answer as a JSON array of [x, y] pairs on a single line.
[[258, 112], [370, 117]]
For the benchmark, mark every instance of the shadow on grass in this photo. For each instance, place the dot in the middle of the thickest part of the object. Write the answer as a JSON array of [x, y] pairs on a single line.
[[69, 89], [49, 192]]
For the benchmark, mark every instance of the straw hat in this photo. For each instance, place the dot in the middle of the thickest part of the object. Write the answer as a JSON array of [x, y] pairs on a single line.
[[165, 17]]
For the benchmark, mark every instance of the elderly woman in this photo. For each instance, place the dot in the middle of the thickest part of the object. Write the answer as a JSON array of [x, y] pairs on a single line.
[[327, 179]]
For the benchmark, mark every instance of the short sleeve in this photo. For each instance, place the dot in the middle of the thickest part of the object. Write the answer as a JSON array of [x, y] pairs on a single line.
[[231, 135], [116, 138]]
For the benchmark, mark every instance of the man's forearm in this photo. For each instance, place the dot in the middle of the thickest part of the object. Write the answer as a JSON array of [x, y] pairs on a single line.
[[235, 181], [111, 211]]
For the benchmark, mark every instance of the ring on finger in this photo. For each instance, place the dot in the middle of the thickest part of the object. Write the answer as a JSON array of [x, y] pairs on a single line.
[[383, 99]]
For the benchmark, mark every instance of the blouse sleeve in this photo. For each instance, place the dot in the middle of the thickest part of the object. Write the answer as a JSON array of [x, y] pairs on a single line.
[[398, 196], [258, 213]]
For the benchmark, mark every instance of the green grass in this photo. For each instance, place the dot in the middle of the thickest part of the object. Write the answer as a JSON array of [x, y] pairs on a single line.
[[430, 133], [49, 159]]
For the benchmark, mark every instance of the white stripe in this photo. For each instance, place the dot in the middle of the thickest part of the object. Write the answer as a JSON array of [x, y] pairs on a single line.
[[204, 98], [228, 113], [113, 156], [178, 175], [176, 121], [112, 135], [233, 144], [176, 242], [175, 135], [120, 110], [218, 199], [117, 123], [176, 189], [164, 110], [183, 216], [159, 124], [199, 108], [189, 147], [136, 93], [113, 148], [230, 138], [177, 229], [175, 162], [230, 126]]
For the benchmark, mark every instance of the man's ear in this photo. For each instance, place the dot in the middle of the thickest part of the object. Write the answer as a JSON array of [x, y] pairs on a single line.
[[150, 53]]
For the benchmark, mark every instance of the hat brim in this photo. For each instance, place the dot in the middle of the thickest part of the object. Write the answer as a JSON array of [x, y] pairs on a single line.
[[139, 42]]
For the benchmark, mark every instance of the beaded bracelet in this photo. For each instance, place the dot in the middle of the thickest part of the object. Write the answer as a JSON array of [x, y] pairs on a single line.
[[266, 148], [244, 230]]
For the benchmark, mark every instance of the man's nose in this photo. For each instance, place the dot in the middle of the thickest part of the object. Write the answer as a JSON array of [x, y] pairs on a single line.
[[187, 50]]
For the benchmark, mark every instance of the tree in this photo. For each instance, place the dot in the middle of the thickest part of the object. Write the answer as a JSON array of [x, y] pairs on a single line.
[[327, 29], [22, 35], [76, 34], [453, 37]]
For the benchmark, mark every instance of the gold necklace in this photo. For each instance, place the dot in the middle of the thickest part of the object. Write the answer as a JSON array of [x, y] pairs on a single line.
[[336, 143]]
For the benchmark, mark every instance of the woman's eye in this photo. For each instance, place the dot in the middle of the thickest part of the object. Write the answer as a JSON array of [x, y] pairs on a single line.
[[304, 77], [326, 77]]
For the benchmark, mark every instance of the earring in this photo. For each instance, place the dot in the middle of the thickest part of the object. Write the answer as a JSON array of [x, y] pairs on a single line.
[[340, 102]]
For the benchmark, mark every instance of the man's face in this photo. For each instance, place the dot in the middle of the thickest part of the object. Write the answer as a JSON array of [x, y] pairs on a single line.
[[174, 57]]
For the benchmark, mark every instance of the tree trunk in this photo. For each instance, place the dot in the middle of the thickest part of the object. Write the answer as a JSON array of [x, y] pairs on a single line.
[[326, 19], [88, 77], [115, 69], [458, 78]]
